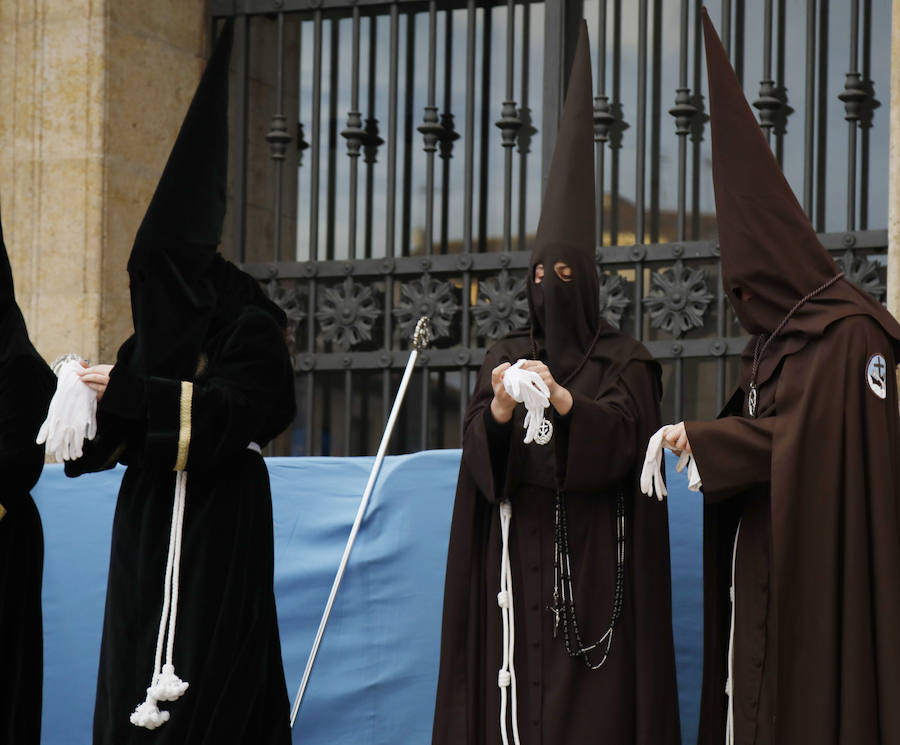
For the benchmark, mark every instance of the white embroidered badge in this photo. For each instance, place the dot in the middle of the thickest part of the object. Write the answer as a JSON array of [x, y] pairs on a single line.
[[876, 375]]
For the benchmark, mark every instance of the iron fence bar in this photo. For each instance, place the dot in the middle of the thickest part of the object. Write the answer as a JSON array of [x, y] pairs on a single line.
[[726, 27], [739, 40], [331, 196], [822, 117], [485, 128], [430, 129], [865, 124], [780, 78], [225, 8], [391, 195], [697, 129], [310, 376], [242, 54], [617, 113], [508, 126], [354, 135], [447, 120], [767, 60], [602, 118], [524, 117], [682, 121], [315, 135], [410, 80], [278, 137], [348, 406], [456, 264], [810, 128], [640, 166], [448, 359], [372, 140], [655, 120], [852, 80], [468, 178]]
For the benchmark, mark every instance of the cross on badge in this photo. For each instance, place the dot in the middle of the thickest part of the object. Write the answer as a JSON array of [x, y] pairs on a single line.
[[876, 375]]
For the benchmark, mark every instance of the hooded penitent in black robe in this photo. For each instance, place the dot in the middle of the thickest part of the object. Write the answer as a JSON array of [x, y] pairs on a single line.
[[26, 387], [206, 373], [813, 482], [593, 456]]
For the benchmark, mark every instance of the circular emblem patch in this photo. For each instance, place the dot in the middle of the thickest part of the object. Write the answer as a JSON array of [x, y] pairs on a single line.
[[876, 375]]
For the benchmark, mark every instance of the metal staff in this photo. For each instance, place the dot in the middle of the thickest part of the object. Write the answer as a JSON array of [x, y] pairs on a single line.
[[421, 339]]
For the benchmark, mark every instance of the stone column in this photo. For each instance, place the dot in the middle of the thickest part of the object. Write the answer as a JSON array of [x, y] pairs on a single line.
[[92, 93]]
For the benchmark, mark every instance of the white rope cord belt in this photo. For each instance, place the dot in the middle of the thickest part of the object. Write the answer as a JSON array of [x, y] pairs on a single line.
[[729, 684], [506, 678], [165, 685], [525, 387]]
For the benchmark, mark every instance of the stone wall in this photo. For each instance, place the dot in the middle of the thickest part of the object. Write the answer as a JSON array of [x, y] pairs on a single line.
[[92, 93]]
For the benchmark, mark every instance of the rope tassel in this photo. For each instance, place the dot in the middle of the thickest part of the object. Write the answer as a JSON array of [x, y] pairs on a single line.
[[165, 684]]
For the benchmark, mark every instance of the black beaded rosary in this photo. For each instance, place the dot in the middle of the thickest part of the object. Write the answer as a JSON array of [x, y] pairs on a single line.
[[563, 608]]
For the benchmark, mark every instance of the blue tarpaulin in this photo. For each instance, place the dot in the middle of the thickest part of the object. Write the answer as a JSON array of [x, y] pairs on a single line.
[[375, 677]]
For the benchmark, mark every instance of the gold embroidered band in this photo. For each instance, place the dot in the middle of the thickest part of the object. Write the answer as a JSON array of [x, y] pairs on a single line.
[[184, 433]]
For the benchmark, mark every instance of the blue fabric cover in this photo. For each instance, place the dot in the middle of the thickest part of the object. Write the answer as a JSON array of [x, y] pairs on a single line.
[[375, 676]]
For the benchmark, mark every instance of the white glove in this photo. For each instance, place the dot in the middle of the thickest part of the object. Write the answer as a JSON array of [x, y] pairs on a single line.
[[72, 416], [651, 474], [527, 387], [694, 480]]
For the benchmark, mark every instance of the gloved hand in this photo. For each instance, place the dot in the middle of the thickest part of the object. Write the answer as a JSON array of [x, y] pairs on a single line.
[[651, 474], [72, 416], [528, 388]]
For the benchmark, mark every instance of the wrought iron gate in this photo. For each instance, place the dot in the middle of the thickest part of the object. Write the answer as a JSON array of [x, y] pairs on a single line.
[[388, 157]]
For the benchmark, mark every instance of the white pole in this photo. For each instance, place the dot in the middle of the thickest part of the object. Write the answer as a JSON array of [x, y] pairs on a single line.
[[420, 339]]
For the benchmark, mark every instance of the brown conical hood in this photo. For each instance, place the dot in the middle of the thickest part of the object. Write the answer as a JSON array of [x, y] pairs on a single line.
[[565, 315], [768, 245]]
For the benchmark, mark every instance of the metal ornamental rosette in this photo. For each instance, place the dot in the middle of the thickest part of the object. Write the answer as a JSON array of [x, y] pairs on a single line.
[[678, 299]]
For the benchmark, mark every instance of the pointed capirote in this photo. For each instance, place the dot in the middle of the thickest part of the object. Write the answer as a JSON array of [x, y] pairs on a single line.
[[172, 299], [565, 315]]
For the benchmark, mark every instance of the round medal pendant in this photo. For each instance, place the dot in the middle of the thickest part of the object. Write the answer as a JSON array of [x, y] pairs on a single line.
[[544, 433], [753, 400]]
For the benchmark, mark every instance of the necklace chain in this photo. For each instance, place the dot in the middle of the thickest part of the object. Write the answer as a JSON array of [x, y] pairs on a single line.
[[761, 347]]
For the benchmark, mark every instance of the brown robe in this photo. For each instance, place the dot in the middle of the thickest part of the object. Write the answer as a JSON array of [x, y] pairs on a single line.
[[595, 451], [814, 484]]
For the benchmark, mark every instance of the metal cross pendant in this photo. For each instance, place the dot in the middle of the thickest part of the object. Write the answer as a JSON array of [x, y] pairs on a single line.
[[753, 400], [555, 610]]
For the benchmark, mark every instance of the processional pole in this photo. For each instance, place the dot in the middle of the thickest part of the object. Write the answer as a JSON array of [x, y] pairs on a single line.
[[421, 338]]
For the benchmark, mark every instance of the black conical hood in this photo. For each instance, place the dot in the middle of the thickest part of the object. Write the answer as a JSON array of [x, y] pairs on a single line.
[[14, 341], [565, 315], [172, 298]]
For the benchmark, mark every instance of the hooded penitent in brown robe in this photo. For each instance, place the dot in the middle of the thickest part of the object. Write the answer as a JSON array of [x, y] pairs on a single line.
[[26, 386], [589, 468], [812, 480]]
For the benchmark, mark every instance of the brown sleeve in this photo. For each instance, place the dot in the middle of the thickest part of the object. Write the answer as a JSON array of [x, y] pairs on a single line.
[[599, 443], [485, 441], [732, 454]]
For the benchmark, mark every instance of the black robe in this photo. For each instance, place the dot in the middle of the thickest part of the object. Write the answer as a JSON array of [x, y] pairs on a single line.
[[815, 485], [226, 644], [596, 450], [26, 386]]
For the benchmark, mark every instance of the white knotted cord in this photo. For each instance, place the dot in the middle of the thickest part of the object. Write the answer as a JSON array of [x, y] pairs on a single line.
[[165, 685], [506, 678], [729, 684]]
